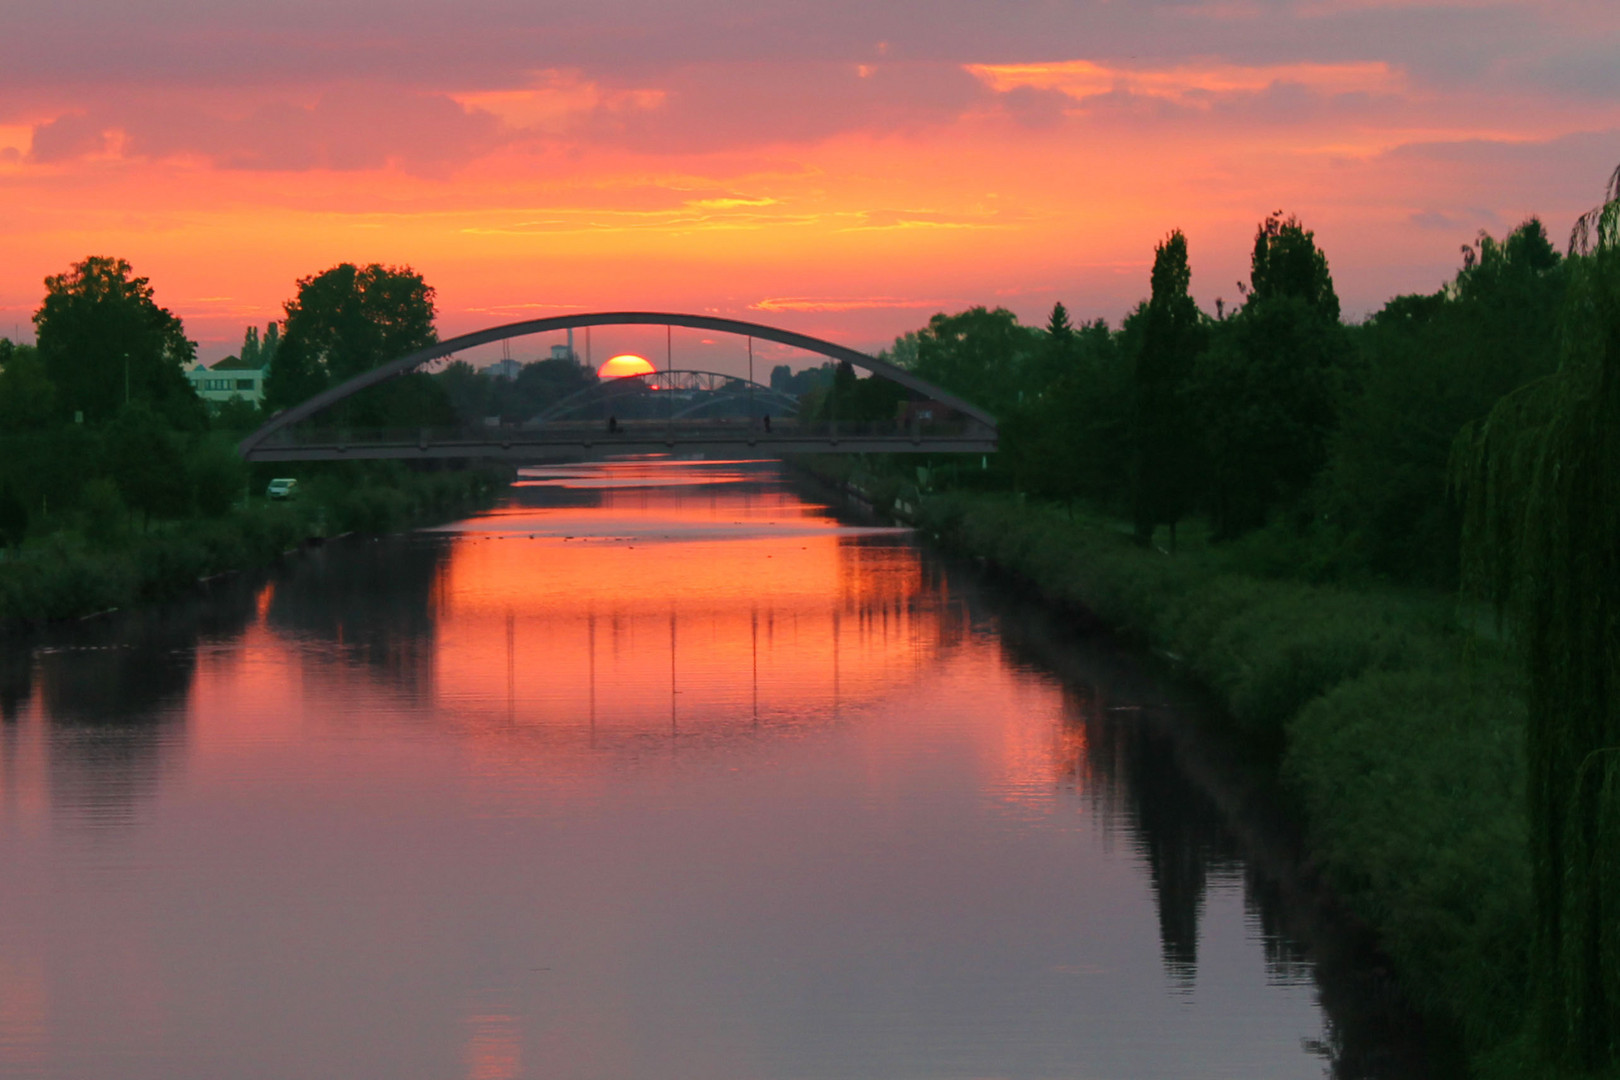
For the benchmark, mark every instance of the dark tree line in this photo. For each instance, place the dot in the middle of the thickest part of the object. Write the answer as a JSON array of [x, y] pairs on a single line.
[[100, 428], [1275, 416]]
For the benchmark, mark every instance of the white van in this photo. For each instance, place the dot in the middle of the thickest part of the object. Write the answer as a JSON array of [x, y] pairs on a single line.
[[282, 489]]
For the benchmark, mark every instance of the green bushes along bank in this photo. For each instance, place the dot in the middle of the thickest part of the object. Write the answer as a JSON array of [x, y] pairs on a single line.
[[101, 555]]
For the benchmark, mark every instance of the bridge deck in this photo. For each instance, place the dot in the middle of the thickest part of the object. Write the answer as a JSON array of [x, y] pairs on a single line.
[[536, 446]]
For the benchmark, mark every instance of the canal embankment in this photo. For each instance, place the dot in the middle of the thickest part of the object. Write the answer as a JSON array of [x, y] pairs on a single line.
[[1396, 733], [97, 562]]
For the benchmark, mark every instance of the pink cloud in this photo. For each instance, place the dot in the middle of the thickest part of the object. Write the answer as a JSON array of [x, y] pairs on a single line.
[[345, 129], [71, 135], [1036, 106], [726, 106]]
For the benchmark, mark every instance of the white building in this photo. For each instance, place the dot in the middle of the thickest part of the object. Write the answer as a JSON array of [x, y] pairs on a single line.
[[228, 379]]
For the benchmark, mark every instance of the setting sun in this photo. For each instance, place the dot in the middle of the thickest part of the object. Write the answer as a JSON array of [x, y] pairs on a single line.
[[624, 366]]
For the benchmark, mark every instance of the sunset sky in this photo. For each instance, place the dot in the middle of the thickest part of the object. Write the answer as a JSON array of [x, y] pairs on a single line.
[[839, 168]]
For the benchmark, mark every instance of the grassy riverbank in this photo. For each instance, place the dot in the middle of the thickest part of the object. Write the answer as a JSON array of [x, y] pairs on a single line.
[[1398, 732], [96, 561]]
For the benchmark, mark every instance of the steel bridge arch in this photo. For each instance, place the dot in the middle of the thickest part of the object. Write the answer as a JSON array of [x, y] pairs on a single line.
[[438, 350]]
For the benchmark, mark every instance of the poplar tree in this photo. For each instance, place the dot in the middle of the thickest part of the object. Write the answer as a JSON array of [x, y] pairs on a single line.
[[1167, 449], [1541, 478], [250, 348], [268, 345], [258, 352], [1267, 385]]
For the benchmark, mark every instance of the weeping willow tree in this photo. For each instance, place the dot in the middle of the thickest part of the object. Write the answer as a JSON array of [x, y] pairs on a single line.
[[1541, 483]]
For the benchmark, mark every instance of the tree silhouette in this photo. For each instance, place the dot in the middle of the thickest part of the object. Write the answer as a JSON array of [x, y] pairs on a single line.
[[1268, 384], [1287, 262], [346, 321], [1426, 365], [1055, 355], [1167, 443], [977, 353], [28, 398], [259, 352], [105, 342]]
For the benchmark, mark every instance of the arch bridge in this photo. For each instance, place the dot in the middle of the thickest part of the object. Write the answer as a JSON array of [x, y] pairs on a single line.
[[932, 421]]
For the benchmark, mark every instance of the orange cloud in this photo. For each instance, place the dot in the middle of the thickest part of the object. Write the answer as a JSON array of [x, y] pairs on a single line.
[[558, 100], [1194, 84], [866, 303]]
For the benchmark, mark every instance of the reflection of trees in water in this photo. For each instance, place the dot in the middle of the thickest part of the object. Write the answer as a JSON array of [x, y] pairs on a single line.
[[1175, 826], [375, 598], [16, 679], [884, 584], [1126, 751], [113, 693], [531, 495], [1199, 818]]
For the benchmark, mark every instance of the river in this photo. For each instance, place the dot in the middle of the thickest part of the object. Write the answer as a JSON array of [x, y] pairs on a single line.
[[658, 770]]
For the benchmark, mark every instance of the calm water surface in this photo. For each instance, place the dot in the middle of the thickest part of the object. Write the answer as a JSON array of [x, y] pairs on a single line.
[[656, 770]]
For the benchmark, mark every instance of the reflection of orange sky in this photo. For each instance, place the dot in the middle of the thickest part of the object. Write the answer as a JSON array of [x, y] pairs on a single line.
[[549, 576], [24, 1011], [816, 618], [545, 643], [542, 651], [24, 757], [494, 1046]]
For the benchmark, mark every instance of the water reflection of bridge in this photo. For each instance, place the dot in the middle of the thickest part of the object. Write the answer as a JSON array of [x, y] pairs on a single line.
[[932, 420]]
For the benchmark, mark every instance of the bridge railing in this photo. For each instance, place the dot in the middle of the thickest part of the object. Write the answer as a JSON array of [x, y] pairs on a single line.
[[683, 429]]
